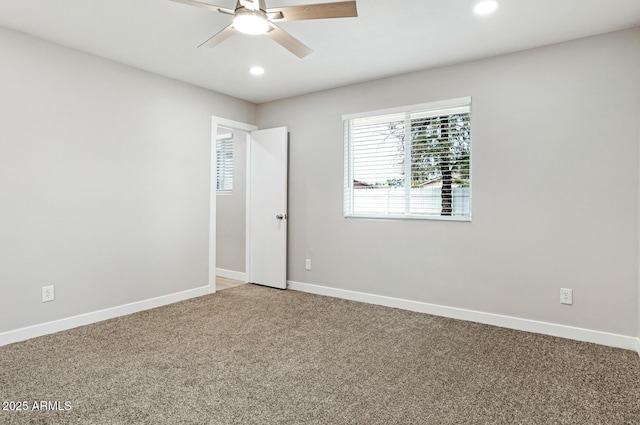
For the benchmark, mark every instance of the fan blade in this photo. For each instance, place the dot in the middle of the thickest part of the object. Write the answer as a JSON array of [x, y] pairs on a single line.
[[205, 6], [248, 4], [287, 41], [219, 37], [342, 9]]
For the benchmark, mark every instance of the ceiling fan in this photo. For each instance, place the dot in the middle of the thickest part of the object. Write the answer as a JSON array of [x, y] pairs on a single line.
[[252, 17]]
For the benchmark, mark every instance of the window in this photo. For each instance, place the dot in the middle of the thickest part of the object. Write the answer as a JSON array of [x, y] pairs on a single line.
[[411, 162], [224, 159]]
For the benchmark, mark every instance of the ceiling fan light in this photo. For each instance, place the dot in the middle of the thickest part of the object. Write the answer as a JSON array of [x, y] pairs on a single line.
[[250, 22]]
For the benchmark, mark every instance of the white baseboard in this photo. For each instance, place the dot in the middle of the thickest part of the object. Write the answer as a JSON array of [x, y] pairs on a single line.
[[569, 332], [231, 274], [22, 334]]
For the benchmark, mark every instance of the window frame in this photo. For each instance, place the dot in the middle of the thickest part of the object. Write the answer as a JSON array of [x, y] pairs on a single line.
[[348, 197]]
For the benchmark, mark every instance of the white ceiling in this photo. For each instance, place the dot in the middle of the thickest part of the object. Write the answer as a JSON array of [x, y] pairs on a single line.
[[387, 38]]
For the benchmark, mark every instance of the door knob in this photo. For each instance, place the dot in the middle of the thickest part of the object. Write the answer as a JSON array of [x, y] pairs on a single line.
[[281, 216]]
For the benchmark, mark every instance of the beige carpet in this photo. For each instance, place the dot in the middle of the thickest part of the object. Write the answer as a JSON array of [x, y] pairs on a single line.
[[253, 355]]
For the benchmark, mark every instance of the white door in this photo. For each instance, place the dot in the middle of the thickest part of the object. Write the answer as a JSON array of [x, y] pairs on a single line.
[[267, 209]]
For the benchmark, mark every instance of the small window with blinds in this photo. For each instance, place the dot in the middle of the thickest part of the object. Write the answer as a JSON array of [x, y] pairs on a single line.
[[224, 159], [412, 162]]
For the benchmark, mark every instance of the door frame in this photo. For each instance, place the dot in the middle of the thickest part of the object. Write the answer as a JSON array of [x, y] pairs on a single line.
[[248, 128]]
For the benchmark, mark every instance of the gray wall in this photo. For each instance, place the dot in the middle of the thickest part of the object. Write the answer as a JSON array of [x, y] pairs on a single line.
[[231, 212], [104, 181], [104, 186], [555, 188]]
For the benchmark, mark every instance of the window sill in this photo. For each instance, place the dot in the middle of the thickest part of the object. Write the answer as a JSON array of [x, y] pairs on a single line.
[[407, 217]]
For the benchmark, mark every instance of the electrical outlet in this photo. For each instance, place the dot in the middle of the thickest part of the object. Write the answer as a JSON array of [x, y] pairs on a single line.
[[307, 264], [566, 296], [48, 294]]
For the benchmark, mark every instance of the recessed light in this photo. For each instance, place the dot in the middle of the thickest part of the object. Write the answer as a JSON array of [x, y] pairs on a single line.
[[256, 70], [486, 7]]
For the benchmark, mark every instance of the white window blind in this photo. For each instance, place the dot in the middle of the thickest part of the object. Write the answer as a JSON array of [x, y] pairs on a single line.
[[411, 162], [224, 159]]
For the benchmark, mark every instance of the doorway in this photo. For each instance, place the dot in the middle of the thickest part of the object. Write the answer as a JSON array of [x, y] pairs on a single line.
[[227, 224], [231, 202], [248, 227]]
